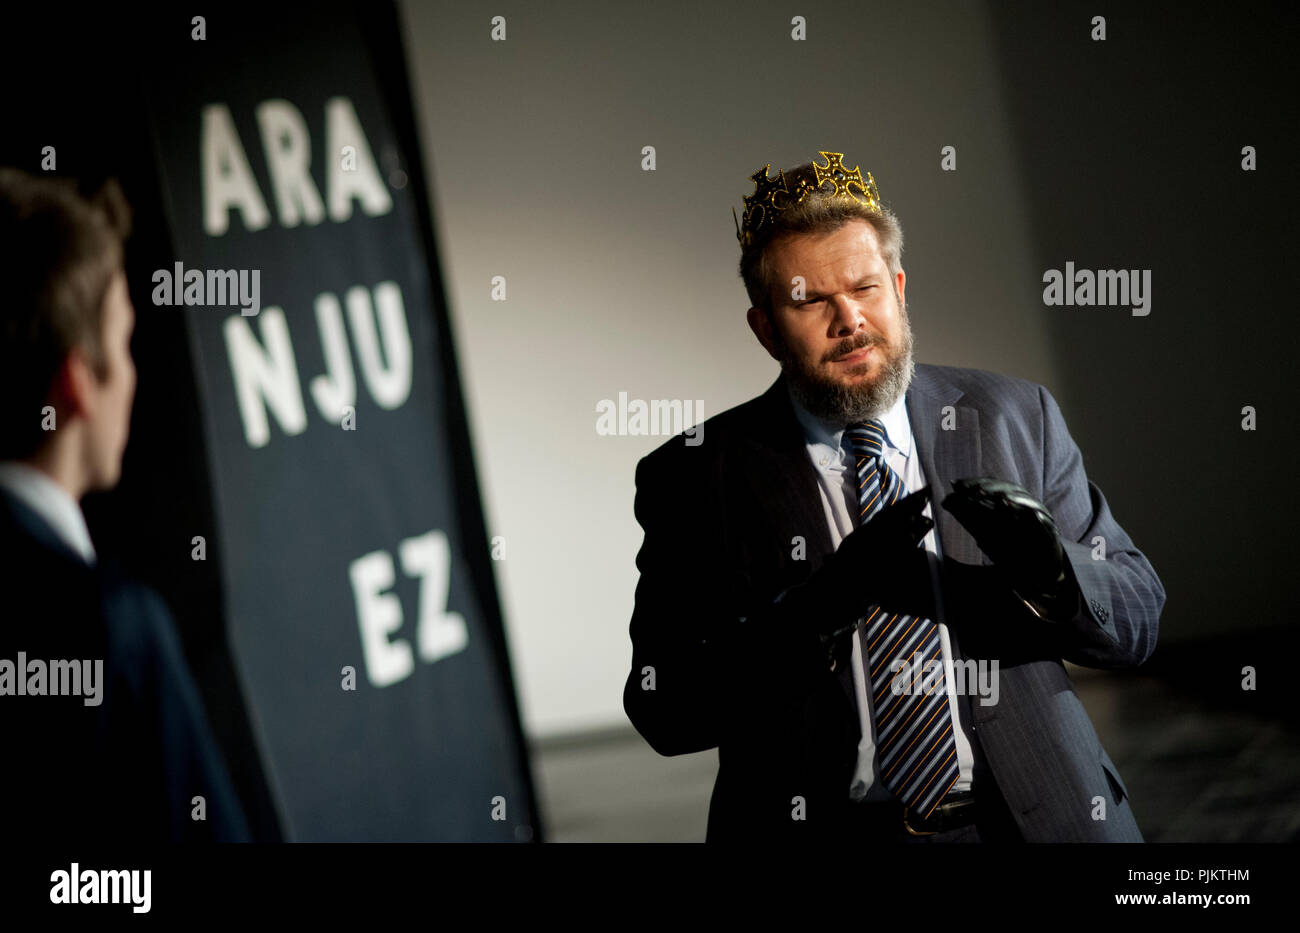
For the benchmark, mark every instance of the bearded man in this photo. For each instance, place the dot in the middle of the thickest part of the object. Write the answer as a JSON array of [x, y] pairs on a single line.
[[864, 673]]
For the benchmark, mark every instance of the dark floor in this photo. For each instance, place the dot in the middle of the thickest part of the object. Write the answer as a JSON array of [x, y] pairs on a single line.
[[1204, 760]]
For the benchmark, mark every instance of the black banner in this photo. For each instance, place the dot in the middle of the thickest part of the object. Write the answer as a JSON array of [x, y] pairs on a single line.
[[359, 606]]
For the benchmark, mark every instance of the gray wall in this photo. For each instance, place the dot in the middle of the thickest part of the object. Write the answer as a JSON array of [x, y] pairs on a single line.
[[620, 280]]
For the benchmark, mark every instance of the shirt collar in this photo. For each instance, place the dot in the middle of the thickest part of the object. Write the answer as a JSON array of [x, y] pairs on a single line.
[[52, 503], [830, 435]]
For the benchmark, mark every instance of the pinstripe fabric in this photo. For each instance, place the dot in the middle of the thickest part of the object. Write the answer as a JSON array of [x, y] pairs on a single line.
[[916, 745]]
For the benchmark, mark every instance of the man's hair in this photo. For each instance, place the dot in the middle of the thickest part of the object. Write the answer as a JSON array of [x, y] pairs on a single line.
[[58, 254], [816, 214]]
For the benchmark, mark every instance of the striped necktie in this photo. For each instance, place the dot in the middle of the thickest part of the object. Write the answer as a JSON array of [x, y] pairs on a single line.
[[915, 744]]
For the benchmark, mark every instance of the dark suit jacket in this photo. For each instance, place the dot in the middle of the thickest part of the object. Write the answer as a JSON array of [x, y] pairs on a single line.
[[124, 771], [720, 521]]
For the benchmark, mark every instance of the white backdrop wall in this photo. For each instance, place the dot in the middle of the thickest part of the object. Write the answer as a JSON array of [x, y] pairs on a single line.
[[624, 280]]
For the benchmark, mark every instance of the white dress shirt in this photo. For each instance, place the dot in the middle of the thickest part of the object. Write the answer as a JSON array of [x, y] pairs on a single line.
[[51, 502], [837, 478]]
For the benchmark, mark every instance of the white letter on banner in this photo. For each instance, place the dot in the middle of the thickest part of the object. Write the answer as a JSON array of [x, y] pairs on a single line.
[[337, 390], [441, 632], [288, 156], [265, 379], [342, 128], [380, 614], [390, 386], [227, 180]]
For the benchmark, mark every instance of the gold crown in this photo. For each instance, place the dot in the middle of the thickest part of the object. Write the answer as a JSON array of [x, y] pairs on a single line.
[[773, 195]]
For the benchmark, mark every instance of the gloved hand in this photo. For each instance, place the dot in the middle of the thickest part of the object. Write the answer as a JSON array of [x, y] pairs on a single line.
[[876, 563], [1019, 535], [974, 593]]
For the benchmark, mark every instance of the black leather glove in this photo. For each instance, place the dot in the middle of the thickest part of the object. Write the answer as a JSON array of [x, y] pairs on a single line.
[[1019, 535], [876, 563], [974, 593]]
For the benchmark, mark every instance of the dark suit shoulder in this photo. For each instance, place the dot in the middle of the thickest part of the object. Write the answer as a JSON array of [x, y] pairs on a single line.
[[52, 597], [982, 388], [704, 443], [139, 618]]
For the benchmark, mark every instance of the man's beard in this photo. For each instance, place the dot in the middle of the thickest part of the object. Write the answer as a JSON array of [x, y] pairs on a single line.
[[864, 400]]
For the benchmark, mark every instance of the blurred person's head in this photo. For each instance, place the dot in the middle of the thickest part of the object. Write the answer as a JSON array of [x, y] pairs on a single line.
[[841, 331], [66, 376]]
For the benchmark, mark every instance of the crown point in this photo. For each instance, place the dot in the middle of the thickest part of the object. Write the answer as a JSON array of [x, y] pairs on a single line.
[[773, 195]]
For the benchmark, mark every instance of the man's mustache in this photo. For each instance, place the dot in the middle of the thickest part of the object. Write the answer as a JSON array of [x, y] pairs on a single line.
[[847, 349]]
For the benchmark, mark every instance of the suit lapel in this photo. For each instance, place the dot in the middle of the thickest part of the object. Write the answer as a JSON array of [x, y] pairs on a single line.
[[780, 476], [947, 437]]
